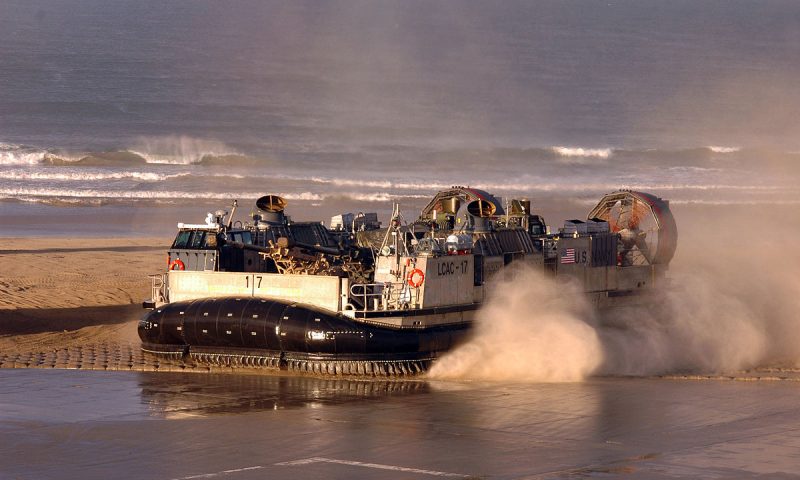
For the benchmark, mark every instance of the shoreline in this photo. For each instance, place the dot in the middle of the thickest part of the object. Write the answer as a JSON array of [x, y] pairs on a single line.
[[71, 301], [68, 302]]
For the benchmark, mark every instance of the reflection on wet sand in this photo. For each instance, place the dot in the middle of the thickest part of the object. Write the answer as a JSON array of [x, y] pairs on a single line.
[[188, 425], [175, 395]]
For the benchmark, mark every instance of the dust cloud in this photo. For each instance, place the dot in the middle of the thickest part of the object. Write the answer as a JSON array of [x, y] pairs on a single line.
[[733, 304], [531, 329]]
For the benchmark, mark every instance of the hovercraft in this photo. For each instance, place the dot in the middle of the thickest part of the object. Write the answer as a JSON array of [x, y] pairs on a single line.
[[357, 298]]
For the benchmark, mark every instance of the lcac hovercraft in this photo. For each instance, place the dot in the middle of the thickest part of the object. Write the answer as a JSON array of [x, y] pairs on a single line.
[[361, 299]]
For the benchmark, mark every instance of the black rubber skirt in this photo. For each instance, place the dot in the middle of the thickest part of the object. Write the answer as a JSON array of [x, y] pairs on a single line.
[[276, 334]]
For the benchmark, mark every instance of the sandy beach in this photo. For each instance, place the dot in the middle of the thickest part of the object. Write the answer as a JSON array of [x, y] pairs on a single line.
[[74, 302]]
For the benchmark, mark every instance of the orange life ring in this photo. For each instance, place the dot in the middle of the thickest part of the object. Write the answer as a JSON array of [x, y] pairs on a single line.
[[177, 264], [420, 277]]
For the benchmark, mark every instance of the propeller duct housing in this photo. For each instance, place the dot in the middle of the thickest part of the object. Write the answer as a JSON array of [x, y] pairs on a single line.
[[480, 211], [643, 221], [272, 206]]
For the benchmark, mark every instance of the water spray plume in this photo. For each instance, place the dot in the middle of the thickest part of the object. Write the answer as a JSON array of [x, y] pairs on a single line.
[[533, 330]]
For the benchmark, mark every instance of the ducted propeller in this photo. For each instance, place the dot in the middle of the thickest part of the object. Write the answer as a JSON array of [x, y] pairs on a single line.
[[644, 223], [271, 203], [481, 208]]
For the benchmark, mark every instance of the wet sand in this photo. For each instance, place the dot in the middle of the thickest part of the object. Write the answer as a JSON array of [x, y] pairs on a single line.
[[99, 425], [70, 305]]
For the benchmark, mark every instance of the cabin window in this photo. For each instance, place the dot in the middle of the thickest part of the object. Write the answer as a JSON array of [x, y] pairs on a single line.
[[242, 237], [182, 239], [197, 239]]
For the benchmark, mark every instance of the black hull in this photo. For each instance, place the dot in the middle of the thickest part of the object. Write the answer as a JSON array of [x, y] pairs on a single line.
[[275, 334]]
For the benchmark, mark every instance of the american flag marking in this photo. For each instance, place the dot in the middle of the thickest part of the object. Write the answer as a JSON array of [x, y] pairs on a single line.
[[568, 256]]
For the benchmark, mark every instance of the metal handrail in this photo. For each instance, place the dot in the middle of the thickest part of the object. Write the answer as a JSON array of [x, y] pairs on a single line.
[[158, 288], [385, 296]]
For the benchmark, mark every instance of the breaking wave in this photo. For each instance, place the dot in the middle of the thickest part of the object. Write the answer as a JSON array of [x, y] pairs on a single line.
[[189, 151], [205, 159], [23, 192], [80, 195], [181, 150], [539, 185], [721, 149], [127, 158], [158, 151], [11, 154], [578, 153], [187, 167], [532, 185], [78, 176]]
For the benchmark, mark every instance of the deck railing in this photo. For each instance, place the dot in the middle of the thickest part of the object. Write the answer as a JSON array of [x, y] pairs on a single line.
[[158, 288], [383, 296]]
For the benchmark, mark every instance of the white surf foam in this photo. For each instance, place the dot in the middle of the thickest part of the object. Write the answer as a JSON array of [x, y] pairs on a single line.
[[27, 193], [80, 176], [12, 154], [578, 153], [179, 150], [723, 149]]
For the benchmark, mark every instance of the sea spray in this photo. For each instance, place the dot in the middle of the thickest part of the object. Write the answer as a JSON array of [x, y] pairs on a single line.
[[13, 154], [180, 149], [532, 329]]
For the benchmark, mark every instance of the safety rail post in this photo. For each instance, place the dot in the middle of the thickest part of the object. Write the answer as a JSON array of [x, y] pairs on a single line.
[[158, 288]]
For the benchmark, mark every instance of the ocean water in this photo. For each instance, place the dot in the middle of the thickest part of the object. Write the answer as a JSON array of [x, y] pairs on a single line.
[[150, 104]]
